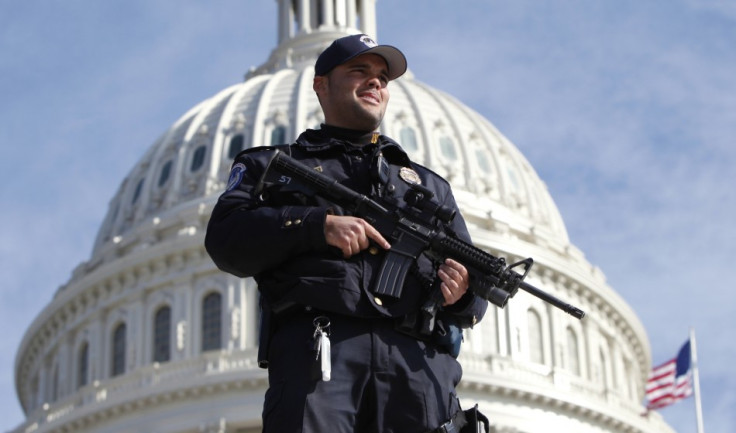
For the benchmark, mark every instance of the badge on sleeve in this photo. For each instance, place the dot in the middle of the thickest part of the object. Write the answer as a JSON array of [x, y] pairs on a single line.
[[236, 176]]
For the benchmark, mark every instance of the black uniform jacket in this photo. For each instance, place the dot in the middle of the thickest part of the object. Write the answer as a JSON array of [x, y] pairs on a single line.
[[278, 237]]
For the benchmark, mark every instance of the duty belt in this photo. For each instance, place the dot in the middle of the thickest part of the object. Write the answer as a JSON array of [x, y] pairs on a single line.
[[467, 421]]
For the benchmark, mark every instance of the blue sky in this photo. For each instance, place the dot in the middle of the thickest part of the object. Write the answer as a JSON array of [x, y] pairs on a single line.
[[626, 109]]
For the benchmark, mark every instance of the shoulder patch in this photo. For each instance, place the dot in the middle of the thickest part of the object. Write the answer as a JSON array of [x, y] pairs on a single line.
[[236, 176]]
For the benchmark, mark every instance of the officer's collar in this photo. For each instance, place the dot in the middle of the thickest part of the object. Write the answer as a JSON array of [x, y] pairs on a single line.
[[350, 135], [327, 136]]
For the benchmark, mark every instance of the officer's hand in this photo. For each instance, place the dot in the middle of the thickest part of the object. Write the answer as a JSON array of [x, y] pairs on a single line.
[[351, 235], [455, 281]]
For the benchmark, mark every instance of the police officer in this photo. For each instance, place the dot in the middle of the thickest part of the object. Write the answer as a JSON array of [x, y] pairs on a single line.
[[337, 359]]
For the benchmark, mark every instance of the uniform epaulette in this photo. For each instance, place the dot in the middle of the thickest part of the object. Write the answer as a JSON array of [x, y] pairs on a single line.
[[388, 141], [428, 170]]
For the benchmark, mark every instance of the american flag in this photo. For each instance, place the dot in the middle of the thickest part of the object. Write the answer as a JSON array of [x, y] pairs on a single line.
[[672, 381]]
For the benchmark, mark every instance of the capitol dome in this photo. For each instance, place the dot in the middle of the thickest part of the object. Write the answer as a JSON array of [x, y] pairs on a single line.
[[148, 335]]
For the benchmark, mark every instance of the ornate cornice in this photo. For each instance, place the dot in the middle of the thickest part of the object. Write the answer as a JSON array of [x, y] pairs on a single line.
[[150, 387]]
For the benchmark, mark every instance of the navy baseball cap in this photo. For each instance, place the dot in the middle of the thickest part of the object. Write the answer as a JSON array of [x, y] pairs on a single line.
[[348, 47]]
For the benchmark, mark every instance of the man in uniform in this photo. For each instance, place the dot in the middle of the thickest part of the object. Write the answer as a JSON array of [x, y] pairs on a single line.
[[315, 267]]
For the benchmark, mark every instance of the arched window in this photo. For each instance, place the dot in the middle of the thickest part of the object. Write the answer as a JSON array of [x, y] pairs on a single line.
[[447, 147], [198, 158], [212, 322], [573, 360], [278, 135], [236, 145], [408, 139], [83, 365], [165, 173], [137, 192], [162, 335], [516, 185], [536, 343], [118, 350], [484, 163]]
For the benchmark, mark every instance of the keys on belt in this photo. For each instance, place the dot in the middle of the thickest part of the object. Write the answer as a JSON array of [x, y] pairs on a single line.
[[322, 345]]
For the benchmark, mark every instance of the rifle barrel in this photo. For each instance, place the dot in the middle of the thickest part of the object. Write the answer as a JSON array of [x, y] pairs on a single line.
[[567, 308]]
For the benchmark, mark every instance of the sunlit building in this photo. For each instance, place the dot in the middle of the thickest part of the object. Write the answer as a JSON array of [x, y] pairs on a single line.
[[148, 336]]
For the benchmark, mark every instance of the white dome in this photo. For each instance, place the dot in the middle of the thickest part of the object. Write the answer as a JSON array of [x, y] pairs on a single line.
[[530, 367], [192, 159]]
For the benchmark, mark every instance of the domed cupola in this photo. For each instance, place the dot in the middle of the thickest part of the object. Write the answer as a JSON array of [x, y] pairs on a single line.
[[148, 335]]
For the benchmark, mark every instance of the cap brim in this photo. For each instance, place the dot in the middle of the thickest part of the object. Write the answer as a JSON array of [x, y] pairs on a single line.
[[395, 59]]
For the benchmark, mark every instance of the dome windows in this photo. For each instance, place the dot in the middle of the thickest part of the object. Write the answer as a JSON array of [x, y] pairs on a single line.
[[278, 135], [198, 158], [83, 365], [443, 139], [276, 128], [118, 350], [408, 139], [235, 146], [162, 335], [165, 173], [513, 178], [212, 322], [137, 192], [447, 147], [481, 158]]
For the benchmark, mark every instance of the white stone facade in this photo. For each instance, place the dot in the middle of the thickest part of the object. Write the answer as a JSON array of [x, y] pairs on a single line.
[[530, 367]]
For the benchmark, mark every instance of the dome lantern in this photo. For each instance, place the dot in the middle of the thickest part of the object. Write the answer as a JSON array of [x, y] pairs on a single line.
[[306, 27]]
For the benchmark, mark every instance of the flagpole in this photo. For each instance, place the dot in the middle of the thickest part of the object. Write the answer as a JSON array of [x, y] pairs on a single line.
[[696, 382]]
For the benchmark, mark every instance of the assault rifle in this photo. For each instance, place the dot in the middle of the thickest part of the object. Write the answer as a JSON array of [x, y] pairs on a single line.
[[411, 233]]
